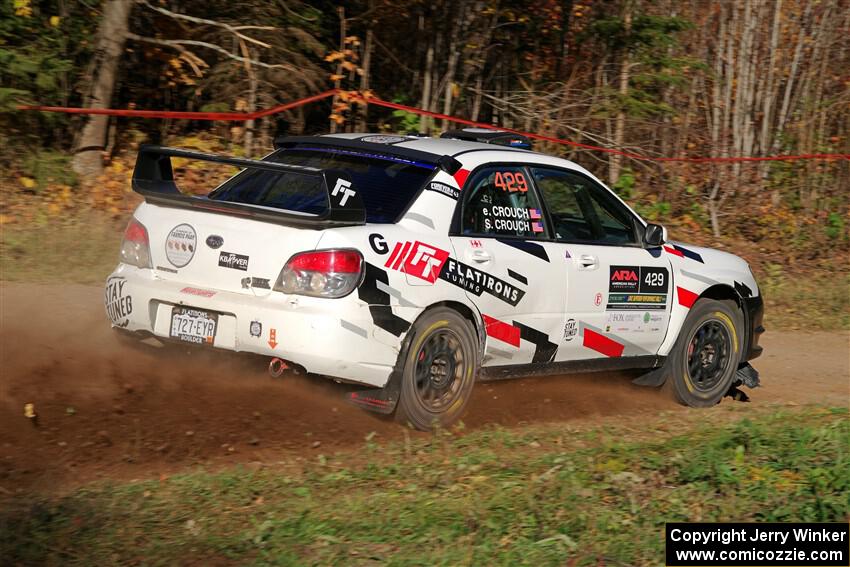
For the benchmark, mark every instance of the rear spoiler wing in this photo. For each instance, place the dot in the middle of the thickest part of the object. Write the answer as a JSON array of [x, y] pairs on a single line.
[[153, 178]]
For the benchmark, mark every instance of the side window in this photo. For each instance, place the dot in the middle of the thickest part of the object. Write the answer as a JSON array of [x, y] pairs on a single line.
[[581, 210], [501, 202]]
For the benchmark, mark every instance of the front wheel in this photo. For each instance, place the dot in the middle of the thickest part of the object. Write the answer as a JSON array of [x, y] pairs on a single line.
[[439, 369], [705, 357]]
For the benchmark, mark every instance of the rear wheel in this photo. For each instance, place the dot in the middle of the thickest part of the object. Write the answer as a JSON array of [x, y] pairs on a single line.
[[439, 370], [705, 358]]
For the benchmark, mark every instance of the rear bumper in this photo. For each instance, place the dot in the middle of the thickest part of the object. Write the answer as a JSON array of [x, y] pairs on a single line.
[[332, 337], [754, 313]]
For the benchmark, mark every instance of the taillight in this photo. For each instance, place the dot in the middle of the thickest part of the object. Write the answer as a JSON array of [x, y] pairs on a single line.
[[324, 273], [135, 248]]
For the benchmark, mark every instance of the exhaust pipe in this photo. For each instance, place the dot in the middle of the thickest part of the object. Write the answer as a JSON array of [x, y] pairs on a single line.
[[277, 367]]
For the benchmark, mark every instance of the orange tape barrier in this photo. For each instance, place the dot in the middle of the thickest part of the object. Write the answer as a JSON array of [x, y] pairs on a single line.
[[371, 99]]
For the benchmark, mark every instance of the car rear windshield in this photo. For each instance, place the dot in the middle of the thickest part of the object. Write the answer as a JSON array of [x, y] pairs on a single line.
[[386, 183]]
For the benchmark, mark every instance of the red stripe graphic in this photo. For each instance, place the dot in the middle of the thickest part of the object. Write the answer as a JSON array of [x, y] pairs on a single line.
[[501, 331], [673, 251], [461, 176], [393, 255], [402, 256], [686, 298], [601, 343]]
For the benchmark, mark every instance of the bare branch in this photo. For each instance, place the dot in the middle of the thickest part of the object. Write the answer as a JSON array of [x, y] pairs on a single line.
[[179, 43], [203, 21]]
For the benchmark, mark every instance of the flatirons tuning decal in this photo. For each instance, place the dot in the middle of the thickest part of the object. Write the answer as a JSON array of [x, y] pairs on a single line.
[[477, 282], [430, 263], [417, 259]]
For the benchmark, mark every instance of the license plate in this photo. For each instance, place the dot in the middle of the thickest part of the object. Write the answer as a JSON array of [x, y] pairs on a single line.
[[193, 325]]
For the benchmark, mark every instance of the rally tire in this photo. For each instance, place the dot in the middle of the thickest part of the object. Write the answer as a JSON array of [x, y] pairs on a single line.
[[705, 358], [438, 369]]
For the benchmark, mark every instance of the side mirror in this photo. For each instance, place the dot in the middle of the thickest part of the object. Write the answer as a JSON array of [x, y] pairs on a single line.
[[655, 235]]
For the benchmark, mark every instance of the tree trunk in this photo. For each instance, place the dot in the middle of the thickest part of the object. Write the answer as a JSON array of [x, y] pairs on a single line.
[[88, 158], [623, 90]]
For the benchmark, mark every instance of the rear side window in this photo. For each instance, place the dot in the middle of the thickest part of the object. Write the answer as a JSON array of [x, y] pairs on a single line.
[[386, 184], [501, 202]]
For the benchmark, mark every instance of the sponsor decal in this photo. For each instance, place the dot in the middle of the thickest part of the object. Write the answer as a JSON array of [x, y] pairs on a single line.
[[475, 243], [597, 299], [378, 244], [602, 344], [119, 306], [637, 287], [164, 269], [382, 139], [417, 259], [570, 330], [234, 261], [198, 291], [273, 338], [477, 282], [635, 322], [344, 190], [259, 283], [444, 189], [180, 245], [642, 279], [256, 329], [655, 301], [214, 241]]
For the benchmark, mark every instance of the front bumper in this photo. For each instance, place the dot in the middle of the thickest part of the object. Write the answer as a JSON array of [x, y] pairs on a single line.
[[754, 314], [332, 337]]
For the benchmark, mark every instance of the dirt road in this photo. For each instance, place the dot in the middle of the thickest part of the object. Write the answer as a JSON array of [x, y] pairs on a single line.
[[106, 410]]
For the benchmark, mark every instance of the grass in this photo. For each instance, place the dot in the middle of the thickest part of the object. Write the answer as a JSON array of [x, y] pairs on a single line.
[[82, 248], [537, 496]]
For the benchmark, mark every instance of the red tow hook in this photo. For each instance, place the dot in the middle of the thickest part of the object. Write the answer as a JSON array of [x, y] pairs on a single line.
[[277, 367]]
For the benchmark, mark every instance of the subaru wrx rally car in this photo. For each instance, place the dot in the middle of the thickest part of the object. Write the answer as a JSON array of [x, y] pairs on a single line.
[[414, 266]]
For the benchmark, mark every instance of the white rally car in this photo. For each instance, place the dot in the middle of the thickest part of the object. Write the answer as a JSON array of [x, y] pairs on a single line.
[[414, 266]]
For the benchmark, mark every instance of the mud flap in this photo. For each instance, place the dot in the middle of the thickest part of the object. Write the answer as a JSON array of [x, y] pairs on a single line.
[[746, 376], [653, 378], [379, 400]]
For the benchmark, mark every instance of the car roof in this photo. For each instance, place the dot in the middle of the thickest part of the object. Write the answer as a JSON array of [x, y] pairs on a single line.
[[436, 146], [427, 149]]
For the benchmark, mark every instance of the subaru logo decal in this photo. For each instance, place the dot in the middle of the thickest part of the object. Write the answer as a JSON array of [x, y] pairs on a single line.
[[214, 241]]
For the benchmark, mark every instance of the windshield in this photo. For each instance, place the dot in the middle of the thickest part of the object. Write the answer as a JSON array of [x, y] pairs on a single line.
[[386, 183]]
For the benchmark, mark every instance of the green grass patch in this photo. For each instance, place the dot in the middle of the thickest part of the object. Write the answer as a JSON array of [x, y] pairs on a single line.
[[541, 496], [82, 248]]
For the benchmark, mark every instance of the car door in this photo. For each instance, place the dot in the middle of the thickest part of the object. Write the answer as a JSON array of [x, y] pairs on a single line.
[[618, 292], [507, 266]]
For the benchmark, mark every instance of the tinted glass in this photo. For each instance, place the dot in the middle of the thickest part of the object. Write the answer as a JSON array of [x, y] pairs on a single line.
[[386, 184], [501, 203], [581, 210]]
